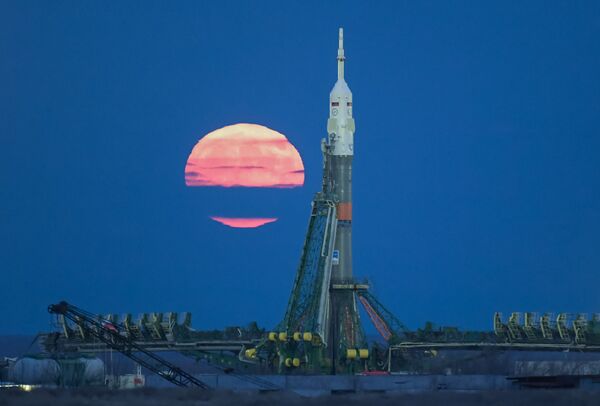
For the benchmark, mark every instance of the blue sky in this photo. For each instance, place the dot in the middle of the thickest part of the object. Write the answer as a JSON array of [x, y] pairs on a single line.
[[476, 174]]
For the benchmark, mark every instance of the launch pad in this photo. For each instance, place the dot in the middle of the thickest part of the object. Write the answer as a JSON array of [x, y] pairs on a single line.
[[321, 331]]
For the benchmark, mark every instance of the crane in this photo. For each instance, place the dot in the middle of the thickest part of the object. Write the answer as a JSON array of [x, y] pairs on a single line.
[[115, 337]]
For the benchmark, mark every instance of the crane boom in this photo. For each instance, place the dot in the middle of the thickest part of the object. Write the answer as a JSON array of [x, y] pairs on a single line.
[[115, 337]]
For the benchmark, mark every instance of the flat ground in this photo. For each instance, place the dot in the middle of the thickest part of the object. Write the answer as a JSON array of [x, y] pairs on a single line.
[[184, 397]]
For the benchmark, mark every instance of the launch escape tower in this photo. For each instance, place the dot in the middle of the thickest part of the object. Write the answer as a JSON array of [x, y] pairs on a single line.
[[322, 309]]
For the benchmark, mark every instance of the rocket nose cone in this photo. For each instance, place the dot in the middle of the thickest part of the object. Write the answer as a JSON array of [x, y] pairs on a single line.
[[341, 89]]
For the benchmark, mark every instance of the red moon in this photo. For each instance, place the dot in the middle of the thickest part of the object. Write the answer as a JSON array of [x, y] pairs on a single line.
[[246, 155], [239, 222]]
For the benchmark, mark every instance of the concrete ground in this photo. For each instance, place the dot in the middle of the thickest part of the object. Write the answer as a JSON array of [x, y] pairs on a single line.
[[187, 397]]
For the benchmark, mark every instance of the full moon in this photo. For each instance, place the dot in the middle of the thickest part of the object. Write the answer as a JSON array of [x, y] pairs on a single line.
[[245, 155]]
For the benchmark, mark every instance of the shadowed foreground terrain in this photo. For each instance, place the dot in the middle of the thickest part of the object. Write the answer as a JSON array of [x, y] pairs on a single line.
[[184, 397]]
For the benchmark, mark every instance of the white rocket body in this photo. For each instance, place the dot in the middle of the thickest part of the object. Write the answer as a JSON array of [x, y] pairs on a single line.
[[340, 125], [340, 153]]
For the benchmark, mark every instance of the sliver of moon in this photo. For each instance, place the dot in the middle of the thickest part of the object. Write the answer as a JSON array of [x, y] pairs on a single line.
[[242, 222], [244, 155]]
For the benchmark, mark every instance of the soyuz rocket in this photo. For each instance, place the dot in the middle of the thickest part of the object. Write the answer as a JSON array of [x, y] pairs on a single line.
[[323, 300], [344, 328], [339, 150]]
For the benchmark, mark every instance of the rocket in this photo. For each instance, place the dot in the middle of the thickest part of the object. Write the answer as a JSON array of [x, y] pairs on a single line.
[[340, 148], [323, 300]]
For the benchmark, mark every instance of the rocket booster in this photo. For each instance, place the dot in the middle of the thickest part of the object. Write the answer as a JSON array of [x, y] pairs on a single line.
[[340, 129]]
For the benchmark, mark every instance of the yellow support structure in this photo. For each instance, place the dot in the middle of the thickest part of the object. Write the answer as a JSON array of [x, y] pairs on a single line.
[[514, 328], [499, 327], [546, 327], [580, 326], [529, 326], [561, 326]]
